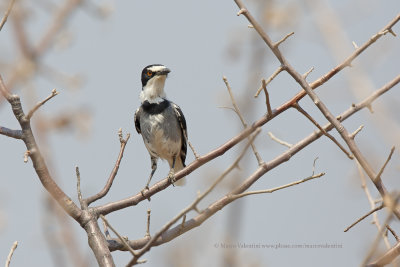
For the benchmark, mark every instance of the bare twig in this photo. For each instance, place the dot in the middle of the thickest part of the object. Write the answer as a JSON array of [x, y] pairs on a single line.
[[114, 172], [305, 75], [378, 176], [236, 107], [353, 135], [279, 70], [364, 216], [192, 206], [78, 186], [313, 166], [3, 21], [193, 150], [278, 188], [392, 207], [17, 134], [221, 203], [333, 139], [118, 235], [148, 223], [41, 103], [320, 105], [371, 203], [283, 39], [13, 248], [276, 139], [393, 233], [267, 102], [38, 162]]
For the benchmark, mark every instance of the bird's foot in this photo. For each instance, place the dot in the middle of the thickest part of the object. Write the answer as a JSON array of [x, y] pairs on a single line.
[[171, 177]]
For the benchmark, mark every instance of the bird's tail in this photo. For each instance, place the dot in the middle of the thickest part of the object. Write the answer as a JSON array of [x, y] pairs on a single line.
[[179, 166]]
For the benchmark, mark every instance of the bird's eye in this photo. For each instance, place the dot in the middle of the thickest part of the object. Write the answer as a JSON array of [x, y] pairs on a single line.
[[149, 73]]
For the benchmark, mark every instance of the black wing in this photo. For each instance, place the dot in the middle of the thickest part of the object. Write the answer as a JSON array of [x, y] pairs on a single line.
[[137, 120], [182, 124]]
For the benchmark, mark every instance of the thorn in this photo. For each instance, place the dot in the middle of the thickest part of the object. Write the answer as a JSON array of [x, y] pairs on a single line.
[[26, 155], [242, 11]]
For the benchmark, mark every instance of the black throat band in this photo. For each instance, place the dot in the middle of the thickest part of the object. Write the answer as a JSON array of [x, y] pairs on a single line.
[[155, 108]]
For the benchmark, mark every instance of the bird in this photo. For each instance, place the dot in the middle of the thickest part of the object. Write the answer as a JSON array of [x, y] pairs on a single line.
[[161, 123]]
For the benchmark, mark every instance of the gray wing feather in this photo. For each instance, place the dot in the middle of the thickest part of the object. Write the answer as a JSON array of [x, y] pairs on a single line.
[[182, 124], [137, 120]]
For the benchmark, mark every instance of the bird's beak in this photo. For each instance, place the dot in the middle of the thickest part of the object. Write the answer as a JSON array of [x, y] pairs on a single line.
[[164, 71]]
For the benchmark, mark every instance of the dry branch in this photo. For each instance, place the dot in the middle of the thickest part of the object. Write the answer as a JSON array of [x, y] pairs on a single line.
[[219, 204], [320, 105]]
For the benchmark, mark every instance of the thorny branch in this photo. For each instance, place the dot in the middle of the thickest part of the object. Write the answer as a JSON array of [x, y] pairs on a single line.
[[166, 234], [320, 105], [219, 204]]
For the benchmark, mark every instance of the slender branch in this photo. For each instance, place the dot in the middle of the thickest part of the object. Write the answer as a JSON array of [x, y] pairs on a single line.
[[134, 200], [364, 216], [13, 248], [372, 203], [279, 70], [305, 75], [393, 233], [37, 159], [333, 139], [172, 233], [17, 134], [320, 105], [196, 156], [391, 205], [78, 186], [236, 107], [41, 103], [114, 172], [378, 176], [279, 141], [279, 187], [267, 102], [3, 21], [148, 223], [283, 39], [191, 206], [119, 236], [353, 135]]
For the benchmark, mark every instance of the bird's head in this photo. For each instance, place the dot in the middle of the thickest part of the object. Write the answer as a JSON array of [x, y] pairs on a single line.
[[153, 81]]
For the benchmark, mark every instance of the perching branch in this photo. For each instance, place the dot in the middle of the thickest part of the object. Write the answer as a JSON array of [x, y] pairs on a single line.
[[219, 204]]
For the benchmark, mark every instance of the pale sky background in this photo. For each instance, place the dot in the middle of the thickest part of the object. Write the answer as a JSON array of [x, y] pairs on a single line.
[[201, 41]]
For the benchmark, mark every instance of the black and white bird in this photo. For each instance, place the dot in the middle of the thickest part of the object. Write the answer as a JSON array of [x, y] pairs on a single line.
[[161, 123]]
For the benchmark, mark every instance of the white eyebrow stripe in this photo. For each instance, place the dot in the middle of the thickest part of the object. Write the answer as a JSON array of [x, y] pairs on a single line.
[[157, 68]]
